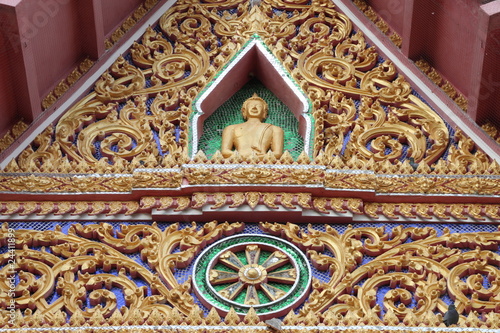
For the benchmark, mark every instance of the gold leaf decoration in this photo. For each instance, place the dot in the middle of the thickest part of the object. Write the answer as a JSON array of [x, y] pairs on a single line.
[[445, 85], [12, 135], [136, 119], [406, 264], [306, 201]]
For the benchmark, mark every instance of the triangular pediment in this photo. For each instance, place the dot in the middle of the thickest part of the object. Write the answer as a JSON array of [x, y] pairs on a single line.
[[357, 114], [116, 219]]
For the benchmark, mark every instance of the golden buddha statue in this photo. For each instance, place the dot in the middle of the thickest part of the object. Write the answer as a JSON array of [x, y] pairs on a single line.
[[253, 136]]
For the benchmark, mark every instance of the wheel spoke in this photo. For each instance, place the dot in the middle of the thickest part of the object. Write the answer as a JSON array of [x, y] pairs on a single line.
[[232, 291], [230, 259], [286, 276], [275, 260], [252, 297], [271, 292], [222, 277], [252, 253]]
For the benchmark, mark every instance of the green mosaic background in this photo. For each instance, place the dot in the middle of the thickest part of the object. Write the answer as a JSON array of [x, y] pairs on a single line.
[[229, 113], [201, 268]]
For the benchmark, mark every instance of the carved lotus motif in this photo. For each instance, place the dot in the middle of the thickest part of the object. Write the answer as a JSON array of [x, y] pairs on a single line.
[[253, 175], [199, 175]]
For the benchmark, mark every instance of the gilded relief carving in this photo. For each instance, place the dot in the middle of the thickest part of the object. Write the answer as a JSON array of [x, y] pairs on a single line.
[[70, 267], [137, 115], [432, 264], [129, 22], [478, 176], [371, 134], [492, 131], [444, 84], [373, 276], [63, 86], [329, 207], [379, 21], [12, 135]]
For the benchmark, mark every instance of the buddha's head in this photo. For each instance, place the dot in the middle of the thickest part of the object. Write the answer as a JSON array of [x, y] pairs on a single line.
[[254, 107]]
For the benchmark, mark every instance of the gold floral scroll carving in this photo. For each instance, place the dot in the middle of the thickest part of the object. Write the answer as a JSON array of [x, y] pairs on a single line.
[[137, 114], [70, 267], [374, 276]]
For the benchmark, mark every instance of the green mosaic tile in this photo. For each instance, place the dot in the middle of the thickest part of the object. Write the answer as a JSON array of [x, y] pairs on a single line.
[[243, 258], [262, 297], [284, 287], [263, 256], [241, 297]]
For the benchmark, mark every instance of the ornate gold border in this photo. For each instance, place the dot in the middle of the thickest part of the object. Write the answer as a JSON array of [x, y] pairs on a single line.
[[66, 83], [273, 200], [129, 22], [374, 177], [355, 322], [442, 83], [12, 135], [492, 131], [379, 22]]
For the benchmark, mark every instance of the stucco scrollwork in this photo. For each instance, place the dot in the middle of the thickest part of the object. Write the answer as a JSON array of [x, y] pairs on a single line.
[[87, 262], [402, 275], [364, 111]]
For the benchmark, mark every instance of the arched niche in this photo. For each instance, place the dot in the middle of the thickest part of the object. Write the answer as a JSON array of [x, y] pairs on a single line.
[[254, 60]]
